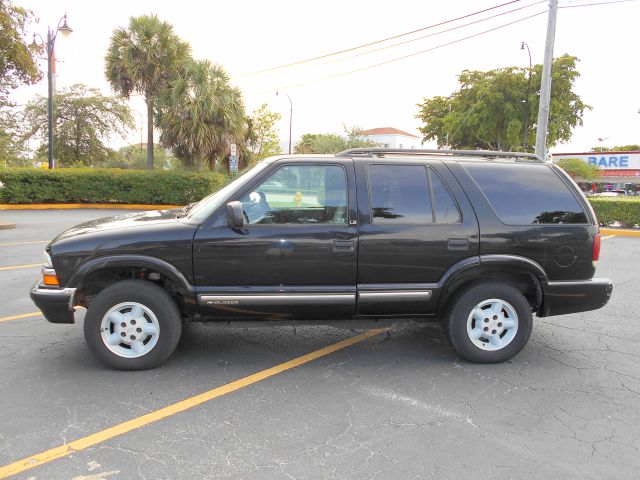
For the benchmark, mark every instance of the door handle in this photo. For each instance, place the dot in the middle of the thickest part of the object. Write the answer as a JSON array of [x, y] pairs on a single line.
[[458, 244], [344, 246]]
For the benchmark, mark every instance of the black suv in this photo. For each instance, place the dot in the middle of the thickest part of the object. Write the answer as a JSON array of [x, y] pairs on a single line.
[[478, 239]]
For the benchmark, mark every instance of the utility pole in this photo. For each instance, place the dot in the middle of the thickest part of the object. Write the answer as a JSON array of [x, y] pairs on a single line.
[[545, 89]]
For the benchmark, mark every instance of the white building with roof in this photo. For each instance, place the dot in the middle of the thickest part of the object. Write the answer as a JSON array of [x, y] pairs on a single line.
[[389, 137]]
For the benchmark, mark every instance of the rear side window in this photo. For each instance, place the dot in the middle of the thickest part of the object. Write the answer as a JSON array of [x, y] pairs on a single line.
[[409, 194], [446, 209], [526, 194]]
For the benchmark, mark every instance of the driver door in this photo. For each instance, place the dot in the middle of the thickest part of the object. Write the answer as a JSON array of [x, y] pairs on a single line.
[[296, 256]]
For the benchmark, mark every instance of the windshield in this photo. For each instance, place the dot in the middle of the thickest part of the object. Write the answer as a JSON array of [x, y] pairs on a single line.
[[205, 207]]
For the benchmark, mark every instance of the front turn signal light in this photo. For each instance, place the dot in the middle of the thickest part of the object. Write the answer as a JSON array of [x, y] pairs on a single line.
[[50, 278]]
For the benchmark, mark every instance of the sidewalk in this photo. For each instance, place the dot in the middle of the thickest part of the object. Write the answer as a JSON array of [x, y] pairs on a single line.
[[620, 232], [70, 206]]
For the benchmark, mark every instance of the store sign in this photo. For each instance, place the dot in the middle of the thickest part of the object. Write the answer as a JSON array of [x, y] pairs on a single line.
[[606, 160]]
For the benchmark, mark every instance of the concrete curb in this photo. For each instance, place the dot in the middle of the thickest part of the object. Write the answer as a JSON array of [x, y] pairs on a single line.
[[73, 206], [7, 226], [620, 232]]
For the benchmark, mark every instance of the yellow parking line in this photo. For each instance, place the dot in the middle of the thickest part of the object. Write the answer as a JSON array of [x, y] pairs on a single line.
[[18, 317], [124, 427], [23, 243], [14, 267], [607, 236]]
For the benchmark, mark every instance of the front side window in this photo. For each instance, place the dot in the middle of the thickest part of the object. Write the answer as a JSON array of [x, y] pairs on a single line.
[[299, 194]]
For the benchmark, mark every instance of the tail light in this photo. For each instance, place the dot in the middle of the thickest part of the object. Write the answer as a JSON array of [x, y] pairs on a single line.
[[596, 247]]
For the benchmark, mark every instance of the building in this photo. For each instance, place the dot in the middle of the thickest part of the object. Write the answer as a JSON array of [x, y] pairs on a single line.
[[389, 137], [620, 170]]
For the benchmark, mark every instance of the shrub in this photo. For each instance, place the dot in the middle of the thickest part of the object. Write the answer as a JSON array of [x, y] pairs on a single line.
[[625, 211], [88, 185]]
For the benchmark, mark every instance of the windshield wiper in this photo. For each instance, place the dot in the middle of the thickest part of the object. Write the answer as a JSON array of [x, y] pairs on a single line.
[[183, 211]]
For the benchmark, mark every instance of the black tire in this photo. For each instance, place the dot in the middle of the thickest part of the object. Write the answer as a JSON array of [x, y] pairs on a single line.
[[152, 297], [460, 309]]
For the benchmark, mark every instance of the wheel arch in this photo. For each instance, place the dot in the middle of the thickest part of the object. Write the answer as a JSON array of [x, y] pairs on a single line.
[[95, 274], [522, 273]]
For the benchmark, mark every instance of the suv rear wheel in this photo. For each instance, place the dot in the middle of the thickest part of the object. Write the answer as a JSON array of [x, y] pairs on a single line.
[[132, 325], [489, 322]]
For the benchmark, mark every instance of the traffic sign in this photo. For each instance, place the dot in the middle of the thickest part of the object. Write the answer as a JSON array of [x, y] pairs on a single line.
[[233, 163]]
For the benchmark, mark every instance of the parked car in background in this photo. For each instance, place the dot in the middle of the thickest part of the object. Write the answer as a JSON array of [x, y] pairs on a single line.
[[613, 193]]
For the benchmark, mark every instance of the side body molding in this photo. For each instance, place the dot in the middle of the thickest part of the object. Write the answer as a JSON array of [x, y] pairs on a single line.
[[128, 261]]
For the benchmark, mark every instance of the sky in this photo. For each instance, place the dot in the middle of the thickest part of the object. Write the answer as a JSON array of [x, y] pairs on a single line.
[[248, 36]]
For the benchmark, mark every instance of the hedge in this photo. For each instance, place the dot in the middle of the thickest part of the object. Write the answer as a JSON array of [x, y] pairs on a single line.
[[171, 187], [88, 185], [622, 210]]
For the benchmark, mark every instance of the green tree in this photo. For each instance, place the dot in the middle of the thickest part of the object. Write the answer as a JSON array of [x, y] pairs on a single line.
[[11, 148], [620, 148], [18, 64], [262, 135], [332, 142], [577, 168], [487, 112], [85, 120], [143, 58], [200, 115], [135, 157]]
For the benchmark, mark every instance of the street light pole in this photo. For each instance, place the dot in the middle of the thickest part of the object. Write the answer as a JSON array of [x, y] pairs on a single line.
[[290, 117], [526, 108], [50, 43]]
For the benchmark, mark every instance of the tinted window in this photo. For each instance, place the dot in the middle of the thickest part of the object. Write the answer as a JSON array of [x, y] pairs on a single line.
[[526, 194], [443, 203], [299, 194], [399, 194]]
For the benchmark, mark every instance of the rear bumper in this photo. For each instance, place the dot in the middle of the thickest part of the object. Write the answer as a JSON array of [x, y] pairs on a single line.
[[576, 296], [56, 304]]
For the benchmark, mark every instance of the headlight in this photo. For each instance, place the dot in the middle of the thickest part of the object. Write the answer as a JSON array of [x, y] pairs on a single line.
[[46, 260]]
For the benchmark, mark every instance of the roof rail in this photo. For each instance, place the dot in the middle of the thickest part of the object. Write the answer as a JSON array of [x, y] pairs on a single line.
[[382, 152]]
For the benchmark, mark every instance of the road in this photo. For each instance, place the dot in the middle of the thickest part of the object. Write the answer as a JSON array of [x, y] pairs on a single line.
[[396, 405]]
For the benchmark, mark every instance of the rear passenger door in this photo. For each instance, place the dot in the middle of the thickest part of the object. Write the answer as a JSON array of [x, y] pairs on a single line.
[[414, 223]]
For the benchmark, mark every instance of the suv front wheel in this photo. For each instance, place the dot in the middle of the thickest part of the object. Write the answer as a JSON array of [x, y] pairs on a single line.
[[132, 325], [489, 322]]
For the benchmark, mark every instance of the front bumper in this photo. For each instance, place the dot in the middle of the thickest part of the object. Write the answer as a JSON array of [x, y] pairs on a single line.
[[56, 304], [575, 296]]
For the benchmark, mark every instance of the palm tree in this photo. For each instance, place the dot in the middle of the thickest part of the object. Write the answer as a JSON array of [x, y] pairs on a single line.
[[143, 58], [201, 115]]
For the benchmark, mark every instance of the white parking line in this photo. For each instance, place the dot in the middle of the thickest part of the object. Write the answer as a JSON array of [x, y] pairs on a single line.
[[607, 236]]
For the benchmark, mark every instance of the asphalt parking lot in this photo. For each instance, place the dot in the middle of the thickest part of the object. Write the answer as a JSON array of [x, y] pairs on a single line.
[[398, 404]]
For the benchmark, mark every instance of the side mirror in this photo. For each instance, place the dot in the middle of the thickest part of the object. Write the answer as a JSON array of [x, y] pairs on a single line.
[[235, 215]]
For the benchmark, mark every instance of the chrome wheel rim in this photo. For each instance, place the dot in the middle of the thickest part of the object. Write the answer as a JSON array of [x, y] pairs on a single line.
[[129, 330], [492, 324]]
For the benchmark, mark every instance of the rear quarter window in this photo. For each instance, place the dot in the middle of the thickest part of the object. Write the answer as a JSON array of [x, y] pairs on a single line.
[[527, 194]]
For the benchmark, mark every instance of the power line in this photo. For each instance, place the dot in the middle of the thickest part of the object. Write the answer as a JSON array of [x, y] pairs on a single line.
[[415, 53], [376, 41], [418, 38], [594, 4]]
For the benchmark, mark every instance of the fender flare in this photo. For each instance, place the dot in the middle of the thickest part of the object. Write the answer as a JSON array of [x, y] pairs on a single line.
[[136, 261], [472, 267]]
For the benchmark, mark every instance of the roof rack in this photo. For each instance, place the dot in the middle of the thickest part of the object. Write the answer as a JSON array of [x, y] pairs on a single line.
[[383, 152]]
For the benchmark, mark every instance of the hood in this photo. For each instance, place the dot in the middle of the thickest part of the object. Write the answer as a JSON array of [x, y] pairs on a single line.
[[126, 221]]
